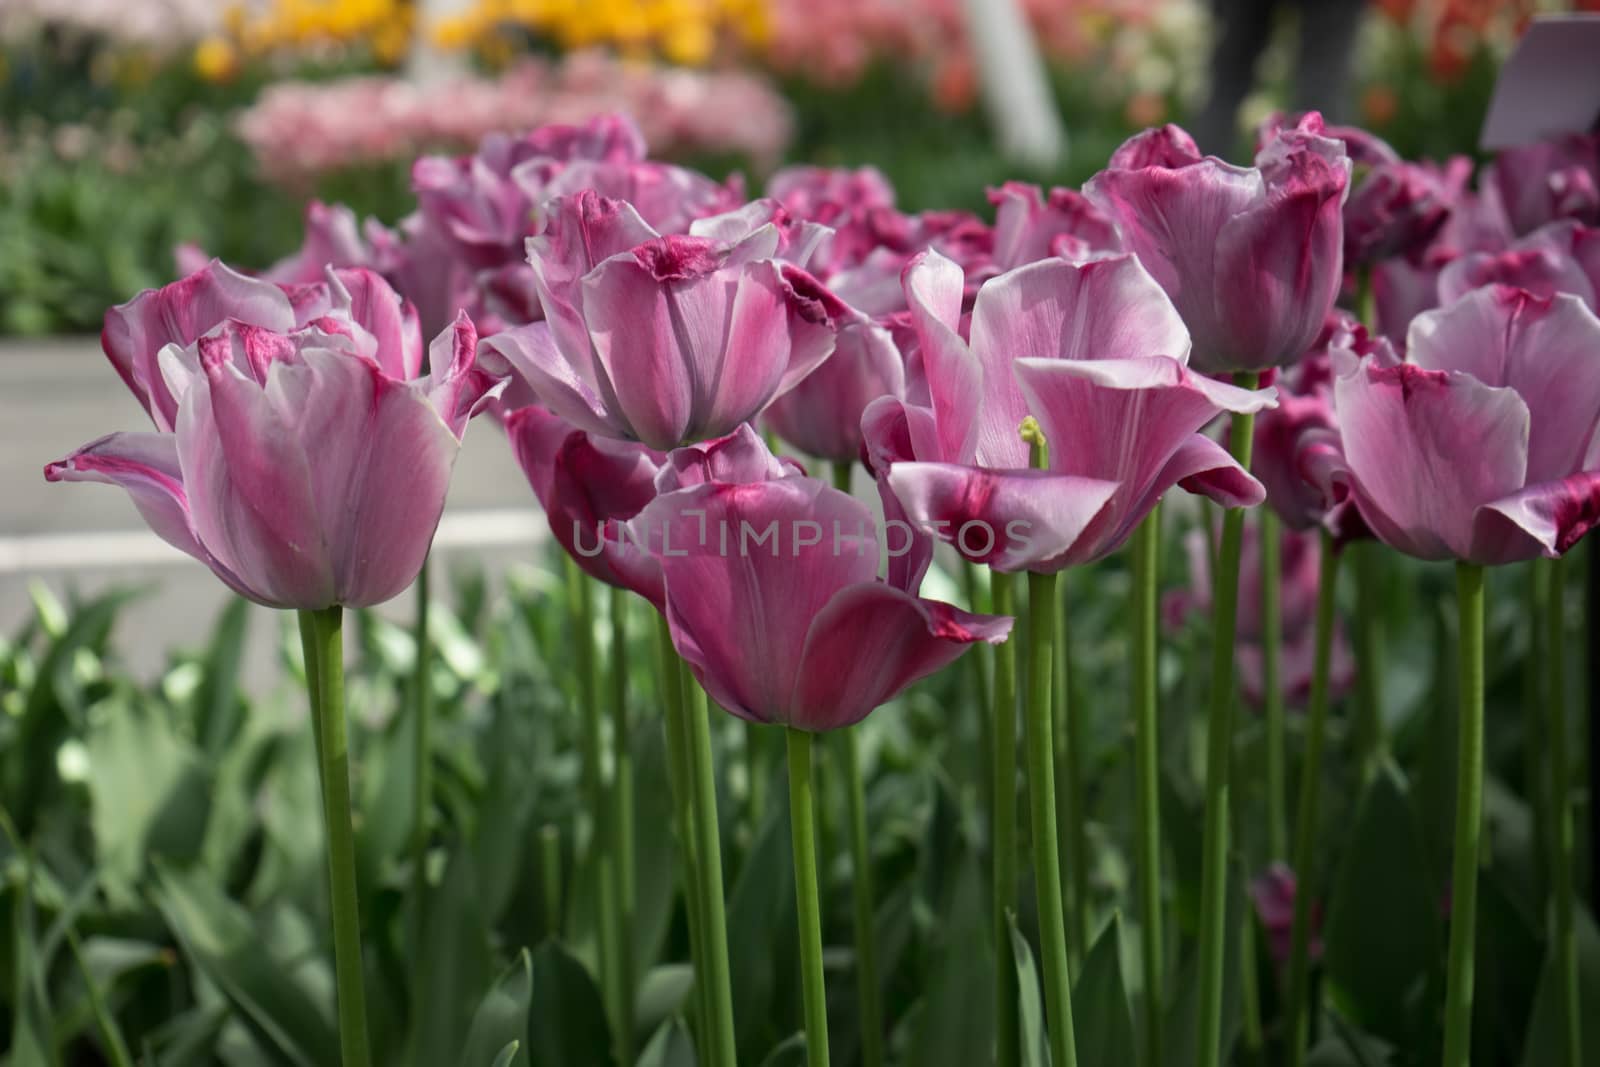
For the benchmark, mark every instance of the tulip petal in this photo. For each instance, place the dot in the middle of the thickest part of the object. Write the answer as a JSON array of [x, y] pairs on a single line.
[[1009, 519], [870, 642], [146, 465], [933, 290], [741, 597], [384, 458], [181, 313], [531, 352], [1425, 450], [1110, 309], [249, 484], [372, 304], [1547, 350], [457, 387], [1547, 518], [597, 485]]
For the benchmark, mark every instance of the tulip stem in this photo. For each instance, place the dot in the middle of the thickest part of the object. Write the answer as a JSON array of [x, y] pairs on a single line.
[[1219, 756], [1147, 759], [1305, 827], [1566, 940], [708, 854], [1042, 795], [1272, 682], [674, 725], [324, 647], [580, 604], [871, 996], [1002, 591], [808, 907], [622, 815], [1469, 818], [422, 782]]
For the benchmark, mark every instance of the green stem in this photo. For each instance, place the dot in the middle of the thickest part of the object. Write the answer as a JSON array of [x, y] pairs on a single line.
[[326, 650], [622, 815], [807, 906], [755, 778], [422, 781], [1042, 797], [675, 727], [550, 877], [1219, 757], [1369, 656], [580, 604], [308, 645], [871, 996], [1069, 746], [1469, 818], [1305, 827], [1271, 656], [1147, 759], [116, 1046], [708, 854], [1003, 833], [1566, 939]]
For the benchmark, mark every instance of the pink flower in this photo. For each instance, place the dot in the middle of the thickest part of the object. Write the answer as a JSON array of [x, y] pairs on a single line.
[[1398, 207], [1251, 257], [662, 340], [821, 416], [1548, 180], [1273, 893], [1560, 257], [1030, 225], [773, 599], [1482, 447], [305, 464], [1098, 355]]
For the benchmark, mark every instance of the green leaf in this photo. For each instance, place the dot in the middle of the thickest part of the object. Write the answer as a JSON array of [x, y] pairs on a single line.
[[1545, 1043], [662, 993], [761, 935], [790, 1052], [1100, 1012], [567, 1023], [507, 1055], [1183, 1013], [456, 963], [501, 1021], [669, 1046], [226, 944], [956, 1025], [1030, 1004], [1383, 934], [218, 707]]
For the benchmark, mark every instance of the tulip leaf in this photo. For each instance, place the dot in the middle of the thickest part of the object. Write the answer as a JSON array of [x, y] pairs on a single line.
[[790, 1052], [956, 1023], [669, 1046], [1546, 1043], [1034, 1040], [501, 1021], [226, 945], [662, 993], [761, 935], [456, 963], [1100, 1011], [566, 1021], [508, 1055], [218, 708], [1183, 1013], [1383, 933]]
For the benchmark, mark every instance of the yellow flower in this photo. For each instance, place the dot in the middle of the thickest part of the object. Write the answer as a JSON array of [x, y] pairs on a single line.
[[215, 59]]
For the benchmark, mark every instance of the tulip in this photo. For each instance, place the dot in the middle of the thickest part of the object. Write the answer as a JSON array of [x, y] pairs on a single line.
[[1560, 257], [1273, 894], [1251, 257], [661, 340], [821, 416], [1398, 207], [1503, 376], [1098, 354], [1481, 449], [305, 466], [1539, 183], [1030, 225]]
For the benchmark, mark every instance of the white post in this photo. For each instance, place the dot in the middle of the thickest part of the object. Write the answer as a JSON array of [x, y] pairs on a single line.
[[1016, 90], [427, 63]]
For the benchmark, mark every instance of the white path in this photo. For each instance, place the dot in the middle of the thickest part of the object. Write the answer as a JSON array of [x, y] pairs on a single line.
[[59, 393]]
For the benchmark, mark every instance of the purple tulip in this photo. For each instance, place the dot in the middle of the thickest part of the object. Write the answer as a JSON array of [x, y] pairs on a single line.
[[305, 465], [1030, 225], [1297, 453], [1483, 446], [661, 340], [1273, 893], [773, 599], [1097, 354], [1561, 257], [1397, 208], [821, 416], [589, 487], [1539, 183], [1252, 257]]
